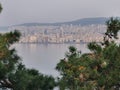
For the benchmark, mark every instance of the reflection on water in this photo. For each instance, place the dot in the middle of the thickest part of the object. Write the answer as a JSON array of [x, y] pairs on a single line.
[[45, 57]]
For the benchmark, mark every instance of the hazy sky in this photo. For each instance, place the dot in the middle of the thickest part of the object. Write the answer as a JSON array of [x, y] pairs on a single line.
[[23, 11]]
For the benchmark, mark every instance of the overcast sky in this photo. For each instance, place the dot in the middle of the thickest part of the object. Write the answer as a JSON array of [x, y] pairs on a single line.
[[24, 11]]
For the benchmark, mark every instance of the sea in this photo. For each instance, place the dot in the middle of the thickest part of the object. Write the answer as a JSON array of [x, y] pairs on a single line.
[[44, 57]]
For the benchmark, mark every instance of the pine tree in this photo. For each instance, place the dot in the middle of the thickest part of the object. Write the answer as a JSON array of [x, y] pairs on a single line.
[[8, 56], [98, 70]]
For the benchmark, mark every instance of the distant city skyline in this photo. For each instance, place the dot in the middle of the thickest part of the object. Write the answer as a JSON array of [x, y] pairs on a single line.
[[49, 11]]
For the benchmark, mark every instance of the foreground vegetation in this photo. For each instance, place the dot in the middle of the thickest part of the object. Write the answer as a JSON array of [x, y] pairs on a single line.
[[98, 70]]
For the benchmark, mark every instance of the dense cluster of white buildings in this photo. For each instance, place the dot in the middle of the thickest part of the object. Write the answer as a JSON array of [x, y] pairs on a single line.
[[61, 34]]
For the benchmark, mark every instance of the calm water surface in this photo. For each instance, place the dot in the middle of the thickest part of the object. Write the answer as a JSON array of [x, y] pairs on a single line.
[[44, 57]]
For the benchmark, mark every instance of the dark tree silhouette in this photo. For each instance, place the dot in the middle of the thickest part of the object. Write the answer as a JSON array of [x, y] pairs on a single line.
[[97, 70]]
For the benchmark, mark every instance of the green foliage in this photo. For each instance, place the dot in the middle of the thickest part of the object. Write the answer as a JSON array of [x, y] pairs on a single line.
[[70, 70], [0, 8], [99, 70], [95, 47], [113, 26], [31, 79], [8, 56]]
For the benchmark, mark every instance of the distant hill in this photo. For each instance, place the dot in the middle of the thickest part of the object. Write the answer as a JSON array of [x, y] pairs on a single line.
[[89, 21], [84, 21]]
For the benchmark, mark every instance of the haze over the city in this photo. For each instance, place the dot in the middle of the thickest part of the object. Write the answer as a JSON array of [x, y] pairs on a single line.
[[24, 11]]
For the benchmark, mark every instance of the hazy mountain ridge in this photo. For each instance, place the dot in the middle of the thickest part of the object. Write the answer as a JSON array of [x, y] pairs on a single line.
[[84, 21]]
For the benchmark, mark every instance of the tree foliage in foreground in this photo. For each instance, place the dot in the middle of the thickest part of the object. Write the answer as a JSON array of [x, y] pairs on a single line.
[[8, 57], [31, 79], [0, 8], [13, 74], [97, 70]]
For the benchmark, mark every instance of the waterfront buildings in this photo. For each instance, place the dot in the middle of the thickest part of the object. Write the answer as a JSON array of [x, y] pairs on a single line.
[[61, 34]]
